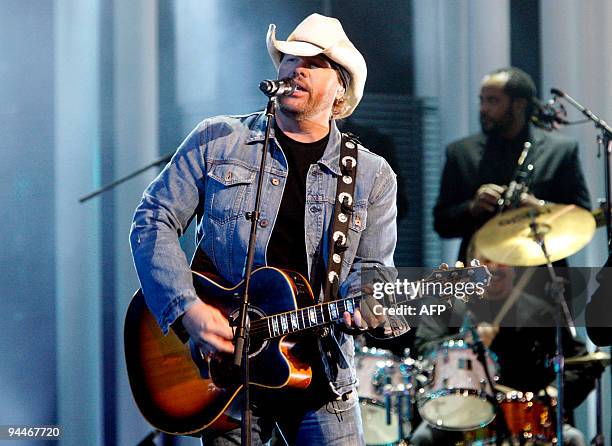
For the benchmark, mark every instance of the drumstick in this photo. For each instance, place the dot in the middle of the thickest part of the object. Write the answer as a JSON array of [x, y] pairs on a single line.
[[515, 294]]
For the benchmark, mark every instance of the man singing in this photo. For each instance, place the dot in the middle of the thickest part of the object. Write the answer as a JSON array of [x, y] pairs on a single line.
[[213, 177]]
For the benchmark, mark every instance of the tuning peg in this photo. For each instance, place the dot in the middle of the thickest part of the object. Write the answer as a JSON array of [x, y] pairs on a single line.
[[459, 264], [443, 266], [475, 262]]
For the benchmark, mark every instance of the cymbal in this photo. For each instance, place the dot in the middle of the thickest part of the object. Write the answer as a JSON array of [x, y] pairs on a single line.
[[508, 238], [601, 357]]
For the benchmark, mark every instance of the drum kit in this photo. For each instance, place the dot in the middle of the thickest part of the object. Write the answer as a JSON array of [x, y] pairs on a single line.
[[450, 391], [455, 388]]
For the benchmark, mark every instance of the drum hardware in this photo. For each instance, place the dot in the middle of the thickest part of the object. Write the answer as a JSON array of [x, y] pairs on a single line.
[[534, 236], [556, 291], [603, 359], [386, 395], [604, 141], [502, 430], [376, 430]]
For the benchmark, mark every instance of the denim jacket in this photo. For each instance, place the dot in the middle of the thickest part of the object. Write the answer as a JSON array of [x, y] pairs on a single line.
[[213, 177]]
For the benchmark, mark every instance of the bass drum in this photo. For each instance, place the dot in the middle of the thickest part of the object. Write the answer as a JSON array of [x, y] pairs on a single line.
[[375, 428]]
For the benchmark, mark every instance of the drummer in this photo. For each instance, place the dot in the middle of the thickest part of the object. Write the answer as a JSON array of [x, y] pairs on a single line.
[[523, 339], [479, 167]]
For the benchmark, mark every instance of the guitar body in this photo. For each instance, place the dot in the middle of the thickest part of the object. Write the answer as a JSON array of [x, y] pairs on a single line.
[[169, 378], [180, 391]]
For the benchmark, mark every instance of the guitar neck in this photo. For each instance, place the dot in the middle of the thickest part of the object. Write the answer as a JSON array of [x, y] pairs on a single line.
[[314, 316], [305, 318]]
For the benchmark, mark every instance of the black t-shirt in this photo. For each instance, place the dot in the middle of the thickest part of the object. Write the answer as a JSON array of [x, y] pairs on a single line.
[[287, 246], [287, 249]]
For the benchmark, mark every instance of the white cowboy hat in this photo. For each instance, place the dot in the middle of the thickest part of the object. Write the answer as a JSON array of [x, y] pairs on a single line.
[[318, 34]]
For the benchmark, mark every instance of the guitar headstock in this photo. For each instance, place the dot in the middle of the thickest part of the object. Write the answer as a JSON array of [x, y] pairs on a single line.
[[455, 280]]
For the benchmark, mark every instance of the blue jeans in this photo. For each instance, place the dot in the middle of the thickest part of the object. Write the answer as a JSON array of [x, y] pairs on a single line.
[[331, 424]]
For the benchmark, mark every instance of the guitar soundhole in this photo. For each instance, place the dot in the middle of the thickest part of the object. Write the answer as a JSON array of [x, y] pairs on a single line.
[[222, 371], [257, 339]]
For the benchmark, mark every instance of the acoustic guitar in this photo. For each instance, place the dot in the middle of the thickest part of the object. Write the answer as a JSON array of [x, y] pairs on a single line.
[[181, 391]]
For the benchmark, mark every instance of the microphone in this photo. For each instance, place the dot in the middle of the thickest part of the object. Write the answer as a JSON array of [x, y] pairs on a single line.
[[548, 116], [557, 92], [280, 87]]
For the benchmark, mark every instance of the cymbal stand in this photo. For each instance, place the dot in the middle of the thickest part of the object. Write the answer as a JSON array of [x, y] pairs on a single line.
[[501, 425], [557, 292], [599, 439]]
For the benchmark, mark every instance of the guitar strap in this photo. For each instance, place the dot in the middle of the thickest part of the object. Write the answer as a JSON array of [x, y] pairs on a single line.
[[343, 211]]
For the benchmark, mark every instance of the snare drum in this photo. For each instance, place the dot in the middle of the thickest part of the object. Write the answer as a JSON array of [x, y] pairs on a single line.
[[458, 395]]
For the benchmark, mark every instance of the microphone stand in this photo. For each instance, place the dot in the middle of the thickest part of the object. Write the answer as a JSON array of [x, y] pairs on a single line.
[[242, 324], [604, 139], [241, 335], [162, 160]]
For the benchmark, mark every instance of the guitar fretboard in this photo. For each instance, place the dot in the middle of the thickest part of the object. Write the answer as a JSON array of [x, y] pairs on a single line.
[[282, 324], [304, 318]]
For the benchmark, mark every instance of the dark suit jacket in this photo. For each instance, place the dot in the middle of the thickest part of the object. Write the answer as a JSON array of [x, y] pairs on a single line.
[[477, 160]]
